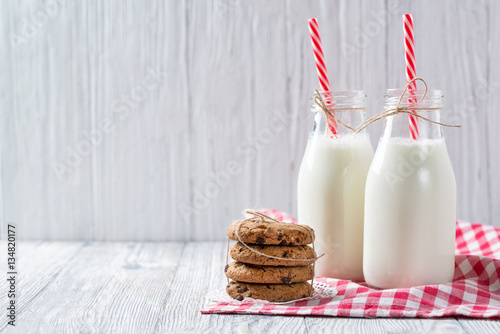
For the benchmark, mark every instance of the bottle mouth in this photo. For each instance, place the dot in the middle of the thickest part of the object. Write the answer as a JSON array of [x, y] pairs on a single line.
[[340, 99], [351, 93], [433, 93], [432, 98]]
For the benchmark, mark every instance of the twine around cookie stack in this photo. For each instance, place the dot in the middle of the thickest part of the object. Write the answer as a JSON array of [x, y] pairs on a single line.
[[273, 261]]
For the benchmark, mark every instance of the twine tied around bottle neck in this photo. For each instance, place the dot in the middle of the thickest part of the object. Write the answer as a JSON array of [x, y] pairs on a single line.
[[409, 109], [266, 219]]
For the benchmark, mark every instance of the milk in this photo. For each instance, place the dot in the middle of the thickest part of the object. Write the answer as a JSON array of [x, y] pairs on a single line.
[[410, 207], [331, 190]]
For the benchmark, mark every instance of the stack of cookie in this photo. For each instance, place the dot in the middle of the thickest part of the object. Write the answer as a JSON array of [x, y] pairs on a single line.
[[279, 278]]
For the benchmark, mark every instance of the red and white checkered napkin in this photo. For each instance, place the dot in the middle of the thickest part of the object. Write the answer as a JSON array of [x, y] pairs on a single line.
[[474, 292]]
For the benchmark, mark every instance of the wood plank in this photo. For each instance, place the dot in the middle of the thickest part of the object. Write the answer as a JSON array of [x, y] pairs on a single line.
[[235, 323], [479, 326], [491, 113], [383, 325], [42, 122], [38, 265], [105, 288]]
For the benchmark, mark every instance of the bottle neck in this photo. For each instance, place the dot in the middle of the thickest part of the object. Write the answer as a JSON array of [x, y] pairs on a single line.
[[405, 125], [348, 107], [346, 121]]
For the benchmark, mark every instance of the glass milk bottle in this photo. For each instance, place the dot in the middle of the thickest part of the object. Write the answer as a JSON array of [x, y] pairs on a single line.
[[410, 201], [331, 185]]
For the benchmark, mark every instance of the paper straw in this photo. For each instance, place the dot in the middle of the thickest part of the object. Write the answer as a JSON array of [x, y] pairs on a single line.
[[410, 69], [321, 67]]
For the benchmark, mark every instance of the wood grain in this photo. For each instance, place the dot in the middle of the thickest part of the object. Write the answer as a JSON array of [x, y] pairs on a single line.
[[483, 326], [354, 325], [106, 288], [160, 287], [38, 265], [223, 127]]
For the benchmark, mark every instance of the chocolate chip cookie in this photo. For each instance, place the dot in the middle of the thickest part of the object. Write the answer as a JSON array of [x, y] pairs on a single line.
[[277, 293], [264, 233], [251, 273], [243, 254]]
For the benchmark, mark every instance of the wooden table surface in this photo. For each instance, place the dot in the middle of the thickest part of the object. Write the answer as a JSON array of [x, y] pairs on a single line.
[[131, 287]]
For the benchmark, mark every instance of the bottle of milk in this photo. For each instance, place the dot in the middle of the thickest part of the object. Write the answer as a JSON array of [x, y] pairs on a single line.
[[331, 186], [410, 200]]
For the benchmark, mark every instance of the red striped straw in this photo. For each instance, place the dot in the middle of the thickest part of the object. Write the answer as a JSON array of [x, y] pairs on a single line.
[[410, 69], [320, 66]]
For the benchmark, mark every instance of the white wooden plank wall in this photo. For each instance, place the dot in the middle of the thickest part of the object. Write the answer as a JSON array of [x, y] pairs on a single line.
[[229, 97]]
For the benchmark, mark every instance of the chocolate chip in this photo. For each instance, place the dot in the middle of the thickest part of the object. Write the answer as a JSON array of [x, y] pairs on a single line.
[[290, 243], [297, 240], [225, 268], [241, 249], [260, 240], [283, 243], [280, 235], [242, 289], [239, 298], [285, 254], [286, 280], [303, 296], [267, 286], [262, 247]]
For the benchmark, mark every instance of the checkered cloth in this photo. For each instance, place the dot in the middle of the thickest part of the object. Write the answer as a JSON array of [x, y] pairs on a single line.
[[474, 292]]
